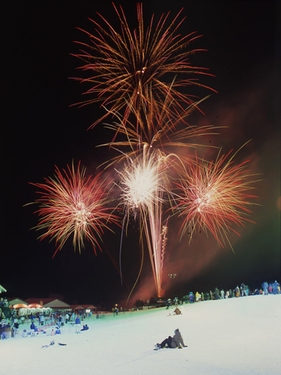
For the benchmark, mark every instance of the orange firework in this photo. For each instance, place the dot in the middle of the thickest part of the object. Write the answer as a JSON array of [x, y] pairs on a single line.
[[159, 133], [135, 70], [71, 204], [214, 196]]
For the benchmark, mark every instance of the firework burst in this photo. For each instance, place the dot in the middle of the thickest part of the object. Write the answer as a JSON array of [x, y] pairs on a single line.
[[141, 182], [142, 78], [73, 205], [214, 196], [138, 76], [132, 69]]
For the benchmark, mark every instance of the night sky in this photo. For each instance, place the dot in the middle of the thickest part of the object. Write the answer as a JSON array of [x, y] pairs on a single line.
[[40, 129]]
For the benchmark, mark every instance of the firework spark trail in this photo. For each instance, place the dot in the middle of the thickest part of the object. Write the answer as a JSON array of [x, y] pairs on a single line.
[[162, 134], [156, 255], [164, 242], [71, 204], [143, 185], [213, 196], [132, 69]]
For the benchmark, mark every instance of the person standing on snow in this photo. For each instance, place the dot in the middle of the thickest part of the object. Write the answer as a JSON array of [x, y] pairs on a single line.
[[77, 324]]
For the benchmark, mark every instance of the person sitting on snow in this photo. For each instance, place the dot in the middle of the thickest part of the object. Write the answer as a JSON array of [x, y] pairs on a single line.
[[85, 327], [177, 311], [172, 342]]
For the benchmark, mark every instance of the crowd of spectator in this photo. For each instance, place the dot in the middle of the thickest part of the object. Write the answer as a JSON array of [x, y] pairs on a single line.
[[36, 322], [239, 291], [9, 325]]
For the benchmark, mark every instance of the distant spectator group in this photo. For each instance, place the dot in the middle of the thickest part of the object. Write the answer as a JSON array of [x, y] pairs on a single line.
[[273, 288], [239, 291]]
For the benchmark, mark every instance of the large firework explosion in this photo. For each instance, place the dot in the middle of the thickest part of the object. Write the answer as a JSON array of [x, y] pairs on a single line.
[[214, 196], [143, 77], [74, 205], [130, 69]]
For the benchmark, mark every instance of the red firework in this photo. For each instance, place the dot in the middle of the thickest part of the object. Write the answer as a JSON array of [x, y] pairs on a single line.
[[71, 204], [214, 196]]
